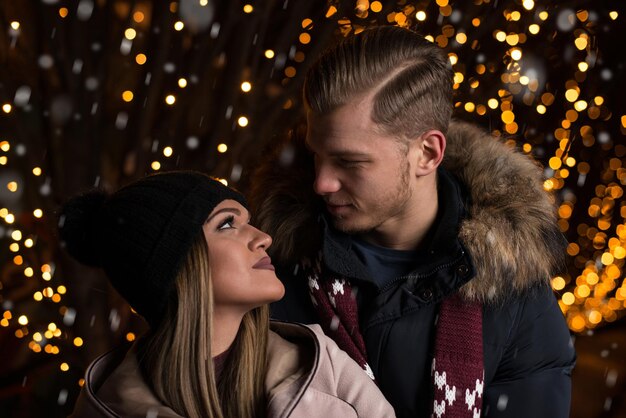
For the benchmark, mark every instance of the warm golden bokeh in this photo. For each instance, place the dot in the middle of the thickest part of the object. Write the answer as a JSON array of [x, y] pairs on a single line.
[[501, 81]]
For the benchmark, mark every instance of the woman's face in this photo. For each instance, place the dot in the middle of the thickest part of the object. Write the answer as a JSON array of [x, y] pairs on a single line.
[[242, 274]]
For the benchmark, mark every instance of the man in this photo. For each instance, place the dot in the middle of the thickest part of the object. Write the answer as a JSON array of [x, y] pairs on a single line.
[[427, 246]]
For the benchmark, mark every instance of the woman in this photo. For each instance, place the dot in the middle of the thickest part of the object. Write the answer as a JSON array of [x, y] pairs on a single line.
[[178, 247]]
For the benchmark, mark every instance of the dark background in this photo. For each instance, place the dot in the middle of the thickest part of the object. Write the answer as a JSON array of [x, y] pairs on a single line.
[[68, 121]]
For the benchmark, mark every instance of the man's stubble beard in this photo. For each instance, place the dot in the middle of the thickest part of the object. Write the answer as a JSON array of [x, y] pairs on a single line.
[[400, 199]]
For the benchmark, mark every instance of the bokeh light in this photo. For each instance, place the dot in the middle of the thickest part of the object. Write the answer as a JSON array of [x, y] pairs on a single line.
[[109, 100]]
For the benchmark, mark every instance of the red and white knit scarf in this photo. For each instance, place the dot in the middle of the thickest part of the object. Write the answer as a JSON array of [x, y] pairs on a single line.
[[457, 366]]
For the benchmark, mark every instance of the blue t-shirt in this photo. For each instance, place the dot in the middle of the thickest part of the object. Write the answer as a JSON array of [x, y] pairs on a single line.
[[384, 264]]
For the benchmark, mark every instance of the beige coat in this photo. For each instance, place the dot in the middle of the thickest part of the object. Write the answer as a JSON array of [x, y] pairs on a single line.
[[308, 376]]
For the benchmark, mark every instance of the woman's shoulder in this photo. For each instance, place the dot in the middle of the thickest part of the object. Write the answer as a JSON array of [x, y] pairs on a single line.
[[291, 351], [114, 386], [306, 345], [299, 335], [327, 382]]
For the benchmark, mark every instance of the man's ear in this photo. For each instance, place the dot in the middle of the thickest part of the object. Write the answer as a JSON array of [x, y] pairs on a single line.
[[428, 153]]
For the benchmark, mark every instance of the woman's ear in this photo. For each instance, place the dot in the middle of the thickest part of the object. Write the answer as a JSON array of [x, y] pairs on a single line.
[[426, 152]]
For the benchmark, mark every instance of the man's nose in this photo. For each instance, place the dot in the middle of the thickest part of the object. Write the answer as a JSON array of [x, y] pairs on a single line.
[[326, 181]]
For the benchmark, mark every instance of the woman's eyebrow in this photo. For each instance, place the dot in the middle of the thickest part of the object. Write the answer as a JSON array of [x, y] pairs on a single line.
[[231, 210]]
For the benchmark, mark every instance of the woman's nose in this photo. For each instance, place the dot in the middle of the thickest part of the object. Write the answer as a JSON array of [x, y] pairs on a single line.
[[260, 240]]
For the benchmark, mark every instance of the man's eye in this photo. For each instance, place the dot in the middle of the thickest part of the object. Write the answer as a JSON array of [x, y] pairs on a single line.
[[227, 223], [350, 163]]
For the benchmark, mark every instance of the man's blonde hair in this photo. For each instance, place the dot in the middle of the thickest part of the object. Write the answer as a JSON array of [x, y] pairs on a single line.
[[410, 80]]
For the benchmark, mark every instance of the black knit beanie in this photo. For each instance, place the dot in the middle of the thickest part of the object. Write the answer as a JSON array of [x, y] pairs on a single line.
[[141, 234]]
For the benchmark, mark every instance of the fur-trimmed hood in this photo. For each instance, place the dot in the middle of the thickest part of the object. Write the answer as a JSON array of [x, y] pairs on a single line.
[[510, 230]]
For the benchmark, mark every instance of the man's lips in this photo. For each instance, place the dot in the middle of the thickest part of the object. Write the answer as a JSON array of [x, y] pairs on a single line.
[[264, 264], [336, 204], [333, 208]]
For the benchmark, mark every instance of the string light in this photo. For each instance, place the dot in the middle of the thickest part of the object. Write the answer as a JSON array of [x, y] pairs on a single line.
[[516, 54], [304, 38], [138, 17], [130, 33], [290, 71]]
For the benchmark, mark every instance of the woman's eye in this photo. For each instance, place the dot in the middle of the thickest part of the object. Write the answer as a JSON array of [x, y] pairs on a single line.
[[227, 223]]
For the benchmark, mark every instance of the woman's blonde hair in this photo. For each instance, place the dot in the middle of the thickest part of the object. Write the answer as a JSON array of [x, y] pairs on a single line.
[[176, 357]]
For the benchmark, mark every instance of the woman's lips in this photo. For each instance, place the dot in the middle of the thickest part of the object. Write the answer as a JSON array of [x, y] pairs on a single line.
[[264, 264]]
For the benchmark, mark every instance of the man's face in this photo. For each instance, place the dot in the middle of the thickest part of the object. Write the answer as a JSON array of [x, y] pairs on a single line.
[[362, 174]]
